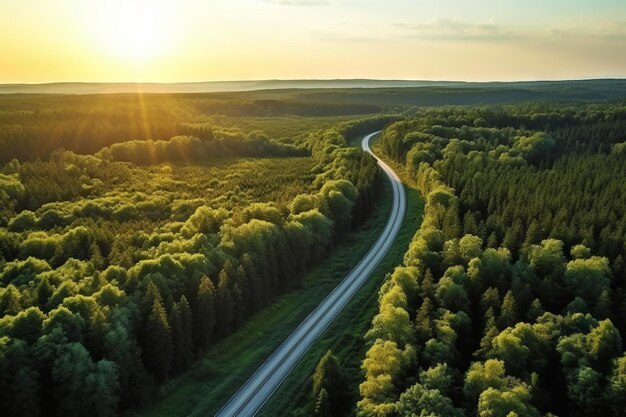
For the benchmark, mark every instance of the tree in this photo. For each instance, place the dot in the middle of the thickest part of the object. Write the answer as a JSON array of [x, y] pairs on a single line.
[[535, 310], [605, 344], [509, 348], [508, 311], [204, 318], [580, 252], [505, 403], [25, 393], [329, 379], [322, 405], [547, 259], [584, 388], [383, 364], [491, 299], [470, 247], [481, 376], [224, 308], [490, 332], [392, 323], [428, 402], [588, 278], [27, 325], [176, 326], [186, 348], [423, 325], [81, 384], [437, 378], [158, 348], [617, 385], [428, 286], [10, 301]]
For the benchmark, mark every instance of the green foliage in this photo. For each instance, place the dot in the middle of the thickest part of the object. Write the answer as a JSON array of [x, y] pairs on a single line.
[[158, 347], [541, 187], [146, 248], [428, 402], [329, 387]]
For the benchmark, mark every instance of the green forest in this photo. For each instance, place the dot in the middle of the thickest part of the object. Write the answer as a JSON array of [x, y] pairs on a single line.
[[139, 231], [511, 300], [135, 233]]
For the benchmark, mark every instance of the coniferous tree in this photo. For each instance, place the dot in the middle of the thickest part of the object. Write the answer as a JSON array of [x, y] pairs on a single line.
[[186, 319], [176, 328], [329, 376], [322, 405], [423, 325], [158, 349], [428, 285], [490, 332], [205, 314], [508, 311], [224, 308]]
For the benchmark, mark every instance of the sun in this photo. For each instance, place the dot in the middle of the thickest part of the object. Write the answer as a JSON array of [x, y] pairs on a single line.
[[135, 29]]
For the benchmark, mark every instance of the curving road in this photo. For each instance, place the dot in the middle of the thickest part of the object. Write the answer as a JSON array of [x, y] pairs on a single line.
[[262, 384]]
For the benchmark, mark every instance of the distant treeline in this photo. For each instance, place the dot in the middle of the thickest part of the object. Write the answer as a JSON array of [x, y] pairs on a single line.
[[34, 126], [193, 149]]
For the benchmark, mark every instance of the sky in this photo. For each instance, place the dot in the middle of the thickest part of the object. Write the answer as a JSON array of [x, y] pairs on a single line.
[[207, 40]]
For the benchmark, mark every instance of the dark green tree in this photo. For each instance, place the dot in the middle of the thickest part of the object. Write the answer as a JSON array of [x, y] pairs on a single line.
[[204, 317], [158, 347], [329, 376]]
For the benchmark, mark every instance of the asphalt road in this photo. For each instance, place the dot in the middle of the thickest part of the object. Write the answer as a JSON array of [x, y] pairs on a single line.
[[262, 384]]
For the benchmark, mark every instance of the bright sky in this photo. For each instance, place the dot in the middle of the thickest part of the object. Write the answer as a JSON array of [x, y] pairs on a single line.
[[204, 40]]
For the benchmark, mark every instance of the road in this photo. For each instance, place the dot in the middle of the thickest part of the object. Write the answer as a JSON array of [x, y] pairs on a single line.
[[262, 384]]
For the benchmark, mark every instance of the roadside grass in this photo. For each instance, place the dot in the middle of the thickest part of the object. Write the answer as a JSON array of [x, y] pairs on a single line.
[[202, 390], [345, 335]]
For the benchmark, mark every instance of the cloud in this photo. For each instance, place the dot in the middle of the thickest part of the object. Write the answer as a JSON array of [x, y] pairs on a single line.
[[445, 29], [337, 36], [299, 2], [614, 30], [592, 29]]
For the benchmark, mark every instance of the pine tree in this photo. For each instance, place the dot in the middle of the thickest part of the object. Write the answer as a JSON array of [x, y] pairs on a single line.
[[428, 285], [489, 333], [243, 282], [176, 327], [157, 350], [322, 405], [224, 311], [328, 376], [187, 332], [44, 292], [469, 224], [602, 309], [204, 318], [257, 296], [423, 325], [10, 301], [25, 393], [238, 306], [508, 311], [490, 299], [535, 311], [151, 295], [492, 242]]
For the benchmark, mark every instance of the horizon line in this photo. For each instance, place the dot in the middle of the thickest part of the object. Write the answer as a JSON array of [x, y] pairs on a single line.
[[529, 80]]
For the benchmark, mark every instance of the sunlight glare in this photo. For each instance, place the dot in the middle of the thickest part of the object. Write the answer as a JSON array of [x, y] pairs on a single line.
[[136, 29]]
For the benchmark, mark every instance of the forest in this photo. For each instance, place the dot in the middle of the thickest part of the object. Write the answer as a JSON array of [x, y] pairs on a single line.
[[138, 231], [131, 242], [511, 299]]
